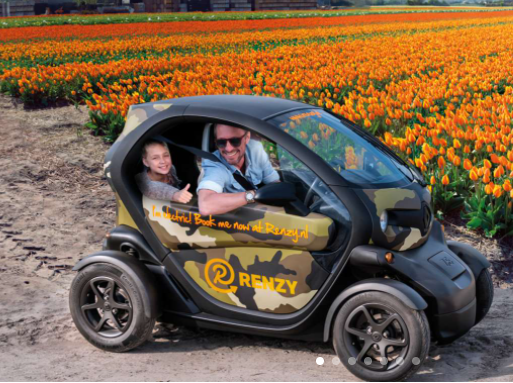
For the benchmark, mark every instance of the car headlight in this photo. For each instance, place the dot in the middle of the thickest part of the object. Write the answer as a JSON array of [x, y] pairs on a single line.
[[383, 220]]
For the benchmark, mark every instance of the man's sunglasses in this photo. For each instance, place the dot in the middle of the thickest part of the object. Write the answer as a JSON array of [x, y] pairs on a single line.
[[235, 141]]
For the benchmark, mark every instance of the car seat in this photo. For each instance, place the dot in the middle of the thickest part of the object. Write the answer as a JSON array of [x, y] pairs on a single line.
[[207, 144]]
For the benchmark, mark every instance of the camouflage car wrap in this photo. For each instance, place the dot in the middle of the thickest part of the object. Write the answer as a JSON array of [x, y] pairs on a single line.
[[272, 280], [413, 198], [123, 217], [137, 114], [181, 226]]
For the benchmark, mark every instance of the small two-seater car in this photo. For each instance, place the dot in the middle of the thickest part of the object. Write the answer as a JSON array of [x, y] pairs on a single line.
[[344, 248]]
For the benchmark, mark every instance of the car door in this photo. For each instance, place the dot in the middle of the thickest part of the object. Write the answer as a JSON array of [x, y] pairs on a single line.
[[258, 257]]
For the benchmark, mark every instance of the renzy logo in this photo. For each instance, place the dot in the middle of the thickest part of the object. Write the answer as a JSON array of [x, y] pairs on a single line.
[[225, 275]]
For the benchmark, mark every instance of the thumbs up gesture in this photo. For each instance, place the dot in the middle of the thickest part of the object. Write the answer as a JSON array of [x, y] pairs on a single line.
[[183, 196]]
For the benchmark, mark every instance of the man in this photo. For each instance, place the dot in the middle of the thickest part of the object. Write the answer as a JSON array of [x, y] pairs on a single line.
[[219, 191]]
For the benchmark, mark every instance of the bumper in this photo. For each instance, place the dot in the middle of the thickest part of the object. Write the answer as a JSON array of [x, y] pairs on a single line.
[[449, 327], [445, 282]]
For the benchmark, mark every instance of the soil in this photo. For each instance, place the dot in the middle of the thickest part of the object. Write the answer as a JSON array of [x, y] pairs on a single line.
[[56, 207]]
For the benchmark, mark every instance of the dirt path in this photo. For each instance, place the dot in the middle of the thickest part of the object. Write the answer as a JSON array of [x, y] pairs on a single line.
[[55, 208]]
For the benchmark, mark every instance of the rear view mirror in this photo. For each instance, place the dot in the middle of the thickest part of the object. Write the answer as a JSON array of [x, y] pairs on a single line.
[[282, 194]]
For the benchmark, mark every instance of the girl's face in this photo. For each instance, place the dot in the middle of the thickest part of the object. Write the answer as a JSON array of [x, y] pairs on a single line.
[[158, 159]]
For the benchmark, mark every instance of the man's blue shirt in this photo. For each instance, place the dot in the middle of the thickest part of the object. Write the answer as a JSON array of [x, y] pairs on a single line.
[[219, 178]]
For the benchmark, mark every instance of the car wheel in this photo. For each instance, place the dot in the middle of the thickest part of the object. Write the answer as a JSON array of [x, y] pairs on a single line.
[[484, 294], [379, 338], [108, 310]]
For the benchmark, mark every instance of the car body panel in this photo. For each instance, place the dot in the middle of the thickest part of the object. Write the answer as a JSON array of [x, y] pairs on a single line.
[[123, 217], [413, 198], [179, 226], [273, 280]]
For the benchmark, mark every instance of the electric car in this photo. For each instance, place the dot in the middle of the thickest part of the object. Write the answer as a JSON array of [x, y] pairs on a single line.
[[344, 248]]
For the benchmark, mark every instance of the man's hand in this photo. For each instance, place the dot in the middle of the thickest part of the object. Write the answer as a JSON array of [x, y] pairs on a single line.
[[212, 203], [183, 196]]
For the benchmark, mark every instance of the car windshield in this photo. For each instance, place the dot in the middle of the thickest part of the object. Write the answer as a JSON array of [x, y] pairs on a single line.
[[359, 160]]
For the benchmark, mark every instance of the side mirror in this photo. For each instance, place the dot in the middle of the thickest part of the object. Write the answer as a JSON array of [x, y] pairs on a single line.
[[276, 194], [282, 194]]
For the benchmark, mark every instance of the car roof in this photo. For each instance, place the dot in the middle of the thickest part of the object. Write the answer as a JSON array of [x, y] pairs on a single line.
[[258, 107], [254, 106]]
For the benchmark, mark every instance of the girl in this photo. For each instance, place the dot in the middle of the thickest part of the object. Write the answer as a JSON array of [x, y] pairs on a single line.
[[159, 181]]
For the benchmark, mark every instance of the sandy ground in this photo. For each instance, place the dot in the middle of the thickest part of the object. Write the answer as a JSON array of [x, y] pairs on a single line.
[[55, 208]]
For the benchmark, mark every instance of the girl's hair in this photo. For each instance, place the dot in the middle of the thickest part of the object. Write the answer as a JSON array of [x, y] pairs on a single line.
[[150, 142]]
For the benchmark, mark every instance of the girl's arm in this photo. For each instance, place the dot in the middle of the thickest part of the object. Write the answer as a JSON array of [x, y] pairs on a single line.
[[153, 189]]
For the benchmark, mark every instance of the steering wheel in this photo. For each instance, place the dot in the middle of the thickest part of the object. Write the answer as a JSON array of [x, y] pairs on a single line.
[[311, 192]]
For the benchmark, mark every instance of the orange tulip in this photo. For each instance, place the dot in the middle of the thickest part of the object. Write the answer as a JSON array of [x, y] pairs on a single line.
[[499, 172], [441, 162], [497, 191], [445, 180], [473, 175]]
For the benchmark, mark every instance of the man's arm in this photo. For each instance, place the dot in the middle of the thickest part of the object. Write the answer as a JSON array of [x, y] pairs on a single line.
[[211, 199], [212, 203]]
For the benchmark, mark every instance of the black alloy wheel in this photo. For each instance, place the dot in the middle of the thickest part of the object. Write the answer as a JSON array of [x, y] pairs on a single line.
[[106, 306], [108, 309], [378, 338]]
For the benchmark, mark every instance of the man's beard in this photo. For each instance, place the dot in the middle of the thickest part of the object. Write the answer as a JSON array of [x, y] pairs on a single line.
[[233, 160]]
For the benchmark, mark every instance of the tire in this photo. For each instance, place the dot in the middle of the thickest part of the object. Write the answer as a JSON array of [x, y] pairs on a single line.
[[353, 332], [108, 309], [484, 294]]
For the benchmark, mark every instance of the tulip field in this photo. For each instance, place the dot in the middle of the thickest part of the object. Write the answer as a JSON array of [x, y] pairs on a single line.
[[435, 86]]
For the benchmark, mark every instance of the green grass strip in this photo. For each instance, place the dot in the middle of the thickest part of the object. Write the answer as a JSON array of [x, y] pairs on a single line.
[[38, 21]]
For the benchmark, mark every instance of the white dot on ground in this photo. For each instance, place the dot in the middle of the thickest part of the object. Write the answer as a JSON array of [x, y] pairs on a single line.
[[351, 361], [335, 361], [319, 361], [415, 361]]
